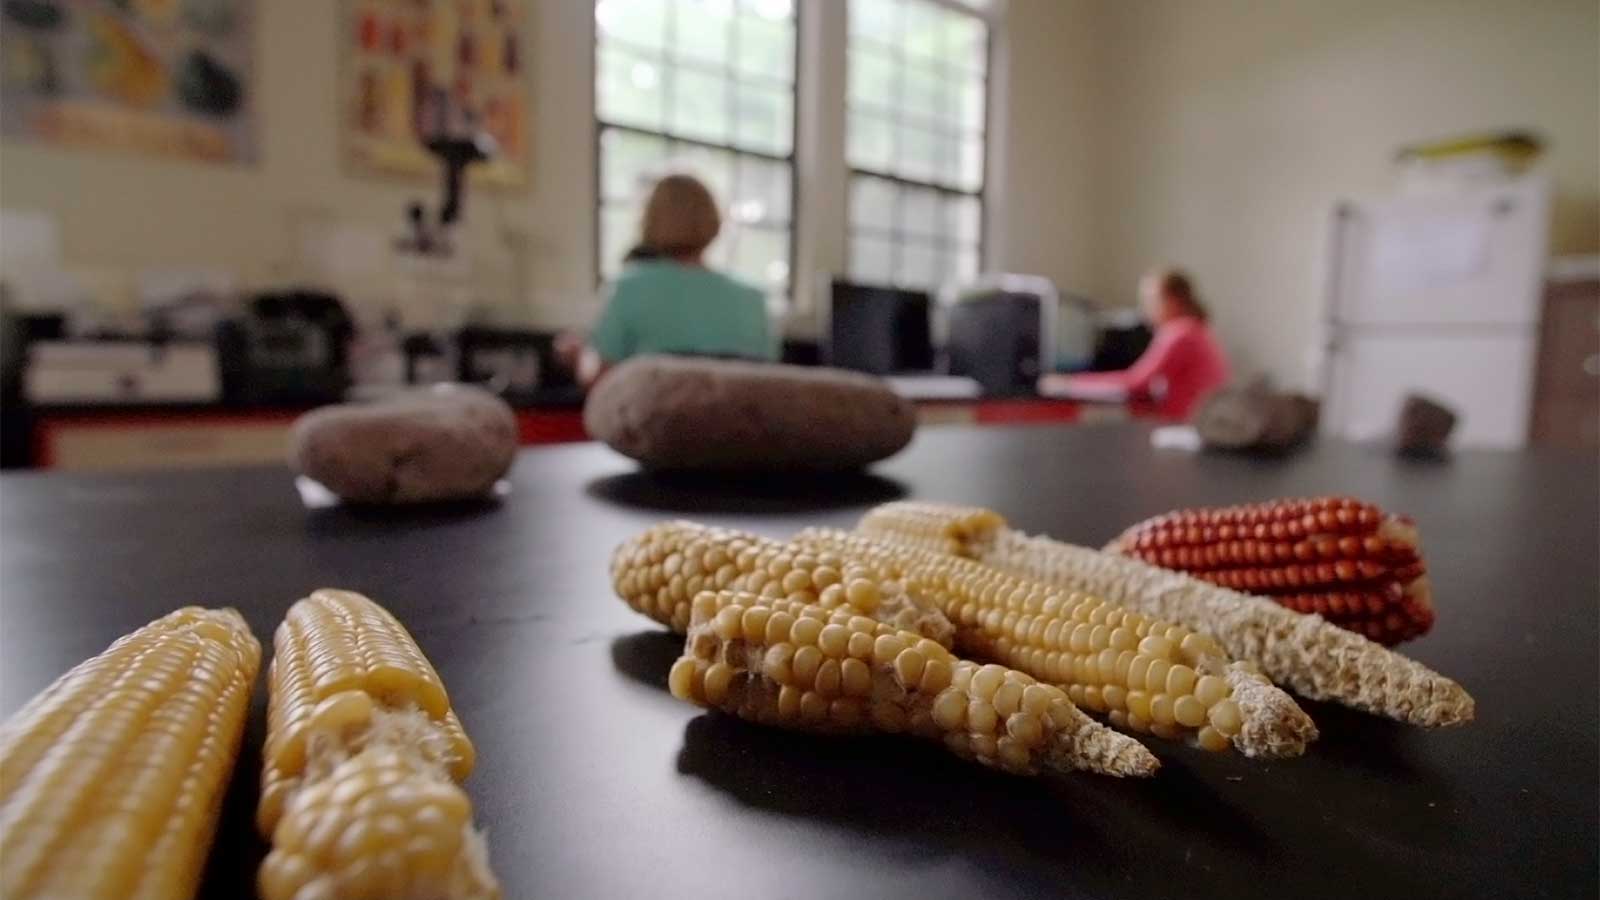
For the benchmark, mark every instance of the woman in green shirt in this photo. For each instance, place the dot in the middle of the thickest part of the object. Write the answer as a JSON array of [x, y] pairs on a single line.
[[667, 301]]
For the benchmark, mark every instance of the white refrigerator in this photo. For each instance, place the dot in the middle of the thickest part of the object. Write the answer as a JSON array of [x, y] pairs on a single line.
[[1436, 293]]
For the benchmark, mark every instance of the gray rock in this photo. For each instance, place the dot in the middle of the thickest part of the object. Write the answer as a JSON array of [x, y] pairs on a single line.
[[438, 444], [678, 413]]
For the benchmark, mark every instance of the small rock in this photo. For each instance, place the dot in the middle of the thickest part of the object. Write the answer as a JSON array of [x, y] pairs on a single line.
[[444, 443], [724, 415]]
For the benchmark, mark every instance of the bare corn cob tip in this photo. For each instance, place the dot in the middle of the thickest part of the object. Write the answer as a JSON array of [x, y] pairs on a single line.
[[112, 778], [796, 665], [362, 757], [1303, 652], [1350, 562], [660, 571], [1144, 674]]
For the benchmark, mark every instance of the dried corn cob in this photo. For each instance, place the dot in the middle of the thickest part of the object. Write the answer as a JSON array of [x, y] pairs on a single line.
[[112, 779], [1302, 652], [797, 665], [362, 757], [1348, 561], [659, 572], [1145, 674]]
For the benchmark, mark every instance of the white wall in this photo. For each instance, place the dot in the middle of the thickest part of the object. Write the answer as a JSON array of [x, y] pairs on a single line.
[[1226, 129], [120, 213]]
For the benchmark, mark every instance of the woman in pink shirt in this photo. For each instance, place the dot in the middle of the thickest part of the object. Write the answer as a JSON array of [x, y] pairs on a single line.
[[1183, 363]]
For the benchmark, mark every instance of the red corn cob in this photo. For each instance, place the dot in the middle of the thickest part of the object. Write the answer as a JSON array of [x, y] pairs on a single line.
[[1348, 561]]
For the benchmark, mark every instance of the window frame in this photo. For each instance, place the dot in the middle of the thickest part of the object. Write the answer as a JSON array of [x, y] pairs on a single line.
[[734, 77], [990, 20]]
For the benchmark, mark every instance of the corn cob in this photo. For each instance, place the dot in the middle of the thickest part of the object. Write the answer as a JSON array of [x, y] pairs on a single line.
[[1145, 674], [1348, 561], [659, 572], [796, 665], [112, 778], [1300, 651], [363, 752]]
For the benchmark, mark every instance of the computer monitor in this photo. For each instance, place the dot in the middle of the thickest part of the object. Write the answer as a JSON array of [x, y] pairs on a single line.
[[995, 340], [879, 329]]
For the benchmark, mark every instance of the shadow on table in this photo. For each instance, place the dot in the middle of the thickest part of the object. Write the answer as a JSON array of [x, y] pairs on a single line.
[[347, 517], [698, 492], [647, 656], [1062, 826]]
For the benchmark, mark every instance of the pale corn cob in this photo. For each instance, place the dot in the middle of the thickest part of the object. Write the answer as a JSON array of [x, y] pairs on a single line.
[[363, 753], [1145, 674], [1303, 652], [796, 665], [1350, 562], [660, 571], [112, 779]]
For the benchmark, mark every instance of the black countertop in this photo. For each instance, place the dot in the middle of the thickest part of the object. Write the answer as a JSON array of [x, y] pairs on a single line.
[[594, 782]]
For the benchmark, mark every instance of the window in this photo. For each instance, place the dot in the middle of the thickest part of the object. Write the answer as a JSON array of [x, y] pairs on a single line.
[[704, 87], [918, 82]]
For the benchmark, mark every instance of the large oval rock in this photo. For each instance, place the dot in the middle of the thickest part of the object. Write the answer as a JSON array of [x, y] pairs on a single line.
[[682, 413], [438, 444]]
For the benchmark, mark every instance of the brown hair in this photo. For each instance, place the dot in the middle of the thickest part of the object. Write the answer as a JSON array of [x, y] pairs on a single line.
[[1176, 285], [680, 218]]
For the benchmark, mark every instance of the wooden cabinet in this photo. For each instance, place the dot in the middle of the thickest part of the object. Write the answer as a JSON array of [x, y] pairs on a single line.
[[1566, 399]]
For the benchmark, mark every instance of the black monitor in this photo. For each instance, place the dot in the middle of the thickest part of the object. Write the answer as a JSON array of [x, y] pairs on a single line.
[[994, 340], [879, 330]]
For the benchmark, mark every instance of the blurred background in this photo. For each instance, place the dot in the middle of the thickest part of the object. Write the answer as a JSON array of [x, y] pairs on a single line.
[[217, 214]]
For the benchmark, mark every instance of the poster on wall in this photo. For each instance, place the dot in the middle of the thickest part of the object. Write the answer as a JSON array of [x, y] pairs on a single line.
[[164, 77], [417, 68]]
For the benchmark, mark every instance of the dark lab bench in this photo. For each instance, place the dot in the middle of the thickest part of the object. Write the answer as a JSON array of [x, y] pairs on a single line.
[[593, 782], [141, 437]]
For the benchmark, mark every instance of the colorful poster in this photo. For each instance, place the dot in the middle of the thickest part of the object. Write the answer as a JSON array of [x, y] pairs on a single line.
[[164, 77], [420, 68]]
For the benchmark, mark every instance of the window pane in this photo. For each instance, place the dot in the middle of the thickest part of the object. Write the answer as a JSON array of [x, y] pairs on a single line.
[[619, 230], [919, 155], [920, 265], [970, 109], [628, 164], [920, 212], [642, 23], [963, 219], [628, 91], [872, 260], [924, 34], [872, 203], [871, 143], [701, 29], [874, 80], [771, 10], [764, 119], [761, 258], [966, 265], [762, 193], [766, 48], [926, 94], [971, 173], [966, 42], [699, 106], [876, 19]]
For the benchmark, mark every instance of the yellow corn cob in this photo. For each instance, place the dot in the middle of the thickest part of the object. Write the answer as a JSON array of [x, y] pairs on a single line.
[[796, 665], [363, 753], [1304, 652], [1145, 674], [659, 572], [111, 780]]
